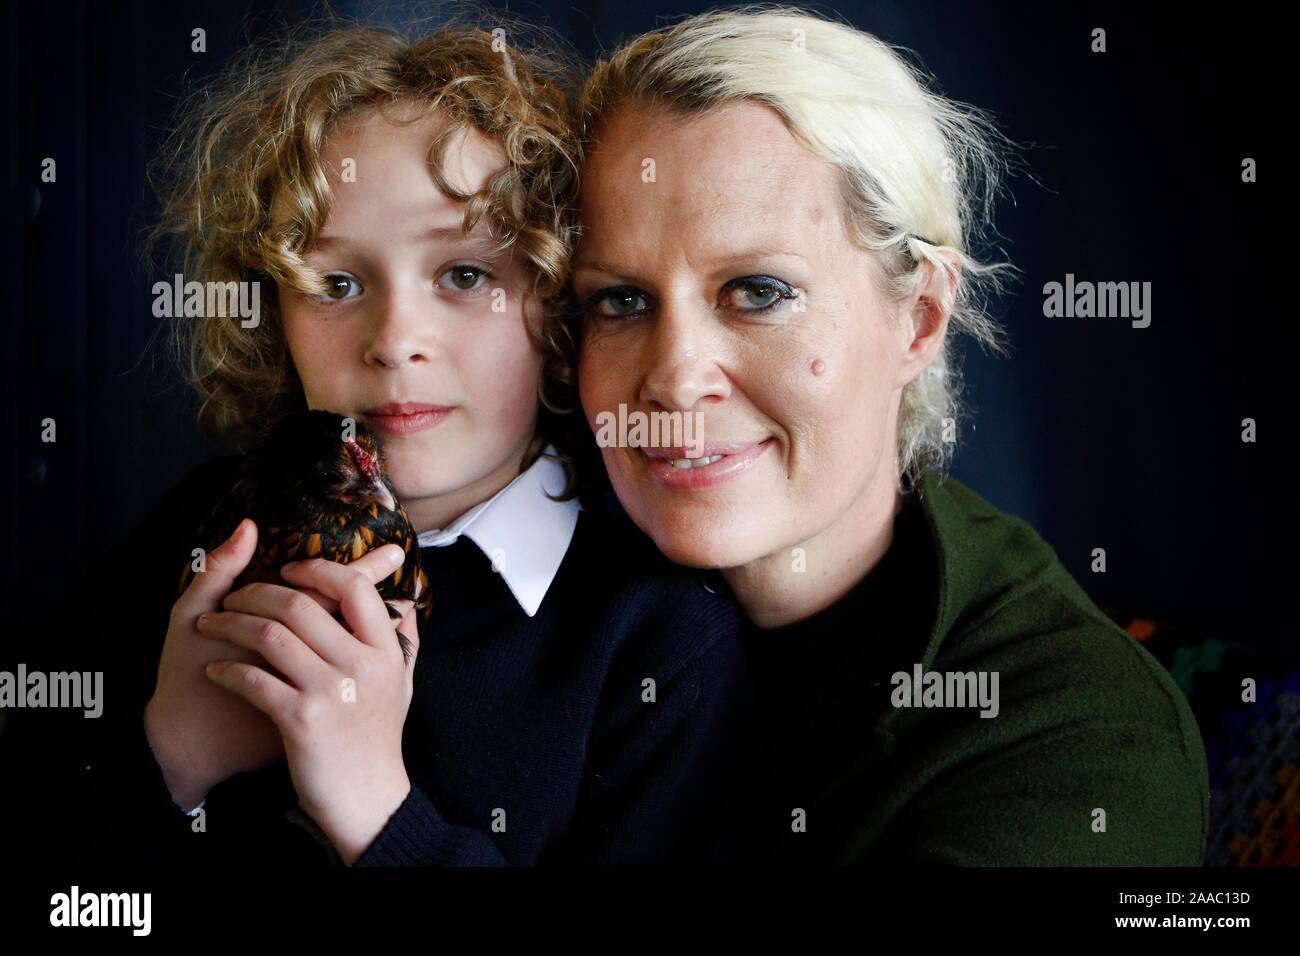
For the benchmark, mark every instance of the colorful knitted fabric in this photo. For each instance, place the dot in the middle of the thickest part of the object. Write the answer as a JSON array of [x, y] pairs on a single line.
[[1253, 747]]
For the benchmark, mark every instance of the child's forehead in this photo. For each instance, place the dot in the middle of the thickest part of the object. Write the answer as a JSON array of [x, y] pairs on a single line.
[[384, 195], [407, 135]]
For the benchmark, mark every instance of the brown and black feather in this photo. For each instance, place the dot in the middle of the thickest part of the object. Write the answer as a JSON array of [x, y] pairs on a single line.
[[314, 494]]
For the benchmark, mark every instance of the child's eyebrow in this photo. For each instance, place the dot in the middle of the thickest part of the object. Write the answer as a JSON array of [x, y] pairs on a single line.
[[476, 237], [448, 233]]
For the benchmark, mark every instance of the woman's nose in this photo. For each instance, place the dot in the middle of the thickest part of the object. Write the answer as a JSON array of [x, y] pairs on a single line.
[[682, 361]]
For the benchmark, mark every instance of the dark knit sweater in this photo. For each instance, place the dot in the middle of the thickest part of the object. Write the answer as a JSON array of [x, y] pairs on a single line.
[[527, 740], [1092, 759]]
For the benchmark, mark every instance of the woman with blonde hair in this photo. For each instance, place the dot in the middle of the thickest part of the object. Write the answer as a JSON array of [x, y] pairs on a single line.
[[778, 228]]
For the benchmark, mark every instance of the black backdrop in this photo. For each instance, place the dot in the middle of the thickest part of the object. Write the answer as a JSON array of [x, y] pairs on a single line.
[[1099, 434]]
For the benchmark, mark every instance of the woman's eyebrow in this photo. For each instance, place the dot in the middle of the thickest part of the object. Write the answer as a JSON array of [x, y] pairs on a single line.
[[592, 264], [718, 263], [595, 265], [752, 253]]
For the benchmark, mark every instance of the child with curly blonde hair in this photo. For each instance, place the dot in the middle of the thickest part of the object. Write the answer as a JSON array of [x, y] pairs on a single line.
[[403, 204]]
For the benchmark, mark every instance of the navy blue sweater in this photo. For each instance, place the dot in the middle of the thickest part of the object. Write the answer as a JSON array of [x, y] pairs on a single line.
[[528, 740]]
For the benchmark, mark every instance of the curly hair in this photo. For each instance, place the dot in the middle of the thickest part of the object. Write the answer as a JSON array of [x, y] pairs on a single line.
[[244, 192], [919, 172]]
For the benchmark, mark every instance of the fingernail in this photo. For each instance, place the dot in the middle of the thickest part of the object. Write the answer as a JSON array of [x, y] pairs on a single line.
[[399, 556], [239, 530], [213, 668], [202, 619]]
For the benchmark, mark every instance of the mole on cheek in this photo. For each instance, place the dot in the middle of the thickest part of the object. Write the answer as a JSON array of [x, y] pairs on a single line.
[[818, 367]]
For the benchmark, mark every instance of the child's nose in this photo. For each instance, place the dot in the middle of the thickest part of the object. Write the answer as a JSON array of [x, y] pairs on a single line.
[[401, 333]]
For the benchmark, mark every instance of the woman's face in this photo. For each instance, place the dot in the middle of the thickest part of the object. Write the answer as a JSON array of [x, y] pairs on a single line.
[[719, 279], [417, 314]]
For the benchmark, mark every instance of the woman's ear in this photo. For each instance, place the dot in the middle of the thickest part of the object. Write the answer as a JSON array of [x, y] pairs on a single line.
[[925, 314]]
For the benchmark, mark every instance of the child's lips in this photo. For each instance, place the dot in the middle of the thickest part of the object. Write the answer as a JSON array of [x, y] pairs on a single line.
[[404, 408], [396, 425]]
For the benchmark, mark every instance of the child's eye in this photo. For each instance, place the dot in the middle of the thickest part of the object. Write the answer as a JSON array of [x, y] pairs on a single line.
[[463, 278], [339, 284]]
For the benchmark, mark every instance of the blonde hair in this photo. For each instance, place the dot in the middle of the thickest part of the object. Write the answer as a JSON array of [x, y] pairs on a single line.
[[244, 191], [913, 163]]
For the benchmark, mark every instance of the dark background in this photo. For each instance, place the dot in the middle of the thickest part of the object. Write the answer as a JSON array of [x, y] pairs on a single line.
[[1098, 434]]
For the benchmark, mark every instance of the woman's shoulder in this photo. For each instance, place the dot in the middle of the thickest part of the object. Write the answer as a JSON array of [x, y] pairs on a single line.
[[989, 561], [1010, 608], [1070, 707], [996, 548], [1069, 666], [1004, 587]]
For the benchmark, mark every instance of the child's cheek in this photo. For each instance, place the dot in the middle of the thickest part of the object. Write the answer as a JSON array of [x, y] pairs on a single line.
[[316, 360], [510, 382]]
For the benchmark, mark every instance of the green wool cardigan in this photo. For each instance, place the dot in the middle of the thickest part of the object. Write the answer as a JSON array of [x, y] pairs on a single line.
[[1093, 757]]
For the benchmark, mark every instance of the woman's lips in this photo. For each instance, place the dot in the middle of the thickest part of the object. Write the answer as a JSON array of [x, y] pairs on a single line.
[[731, 460], [407, 423]]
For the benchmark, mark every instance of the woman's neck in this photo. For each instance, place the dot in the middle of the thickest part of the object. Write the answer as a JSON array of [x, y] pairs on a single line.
[[783, 588]]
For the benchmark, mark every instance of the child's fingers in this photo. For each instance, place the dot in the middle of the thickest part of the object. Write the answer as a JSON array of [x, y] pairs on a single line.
[[376, 565], [225, 563], [328, 603], [306, 619], [379, 563], [264, 691], [276, 644], [360, 603]]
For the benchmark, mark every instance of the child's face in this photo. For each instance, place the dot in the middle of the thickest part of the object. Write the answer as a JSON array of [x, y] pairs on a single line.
[[418, 314]]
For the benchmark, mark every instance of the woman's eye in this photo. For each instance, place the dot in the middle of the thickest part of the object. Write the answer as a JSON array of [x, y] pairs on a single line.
[[337, 287], [463, 278], [755, 293], [615, 303]]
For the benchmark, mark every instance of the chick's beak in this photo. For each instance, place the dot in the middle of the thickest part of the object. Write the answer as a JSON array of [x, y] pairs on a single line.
[[380, 493]]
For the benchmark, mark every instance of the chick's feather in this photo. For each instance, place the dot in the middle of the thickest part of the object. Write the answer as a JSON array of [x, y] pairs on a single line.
[[316, 487]]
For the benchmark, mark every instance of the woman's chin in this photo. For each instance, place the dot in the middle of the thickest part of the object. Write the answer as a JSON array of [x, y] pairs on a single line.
[[694, 550], [696, 534]]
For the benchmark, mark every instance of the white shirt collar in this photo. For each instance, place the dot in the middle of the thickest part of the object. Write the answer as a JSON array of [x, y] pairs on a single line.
[[524, 533]]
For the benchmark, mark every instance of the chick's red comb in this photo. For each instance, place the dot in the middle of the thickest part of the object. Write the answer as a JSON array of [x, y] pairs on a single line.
[[368, 463]]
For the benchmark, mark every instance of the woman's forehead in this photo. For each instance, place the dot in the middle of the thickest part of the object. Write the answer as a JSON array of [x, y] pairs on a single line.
[[729, 183], [737, 153]]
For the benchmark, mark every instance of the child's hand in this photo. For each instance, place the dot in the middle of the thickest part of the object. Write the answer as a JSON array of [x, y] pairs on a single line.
[[200, 735], [342, 702]]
